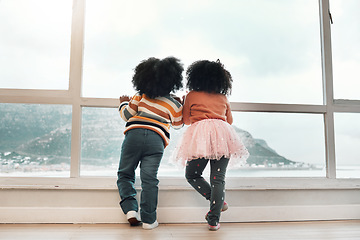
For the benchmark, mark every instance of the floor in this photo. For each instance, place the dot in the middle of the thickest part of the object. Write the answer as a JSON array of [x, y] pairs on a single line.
[[329, 230]]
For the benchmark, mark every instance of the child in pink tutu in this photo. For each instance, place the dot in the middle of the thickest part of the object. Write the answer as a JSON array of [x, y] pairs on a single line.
[[210, 138]]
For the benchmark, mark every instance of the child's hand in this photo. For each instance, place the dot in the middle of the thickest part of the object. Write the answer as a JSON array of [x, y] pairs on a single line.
[[177, 99], [183, 99], [124, 98], [180, 100]]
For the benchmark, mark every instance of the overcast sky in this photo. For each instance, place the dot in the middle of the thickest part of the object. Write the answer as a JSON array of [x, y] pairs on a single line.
[[266, 46]]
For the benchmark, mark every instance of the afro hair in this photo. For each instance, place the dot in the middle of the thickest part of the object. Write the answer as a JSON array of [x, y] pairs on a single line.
[[158, 78], [209, 76]]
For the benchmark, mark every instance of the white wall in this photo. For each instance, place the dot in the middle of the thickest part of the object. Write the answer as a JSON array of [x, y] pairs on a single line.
[[29, 204]]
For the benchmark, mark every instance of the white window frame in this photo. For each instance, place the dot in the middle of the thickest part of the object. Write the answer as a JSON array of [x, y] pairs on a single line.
[[73, 97]]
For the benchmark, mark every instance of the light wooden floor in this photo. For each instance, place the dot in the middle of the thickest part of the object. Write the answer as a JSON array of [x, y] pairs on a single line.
[[331, 230]]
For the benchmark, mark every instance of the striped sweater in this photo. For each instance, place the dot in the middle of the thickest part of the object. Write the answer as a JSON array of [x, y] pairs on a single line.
[[155, 114]]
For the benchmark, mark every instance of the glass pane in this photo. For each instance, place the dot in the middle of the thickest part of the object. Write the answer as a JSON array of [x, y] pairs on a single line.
[[346, 48], [35, 140], [347, 142], [274, 152], [102, 136], [271, 50], [281, 144], [35, 44]]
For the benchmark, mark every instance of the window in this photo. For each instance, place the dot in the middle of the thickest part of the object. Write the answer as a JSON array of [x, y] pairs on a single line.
[[35, 140], [280, 145], [102, 135], [271, 50], [346, 50], [347, 136], [35, 44]]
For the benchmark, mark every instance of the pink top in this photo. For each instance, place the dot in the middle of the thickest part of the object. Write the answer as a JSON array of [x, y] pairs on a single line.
[[202, 105]]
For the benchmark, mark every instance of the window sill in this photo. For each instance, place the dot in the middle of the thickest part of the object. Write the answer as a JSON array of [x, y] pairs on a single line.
[[172, 184]]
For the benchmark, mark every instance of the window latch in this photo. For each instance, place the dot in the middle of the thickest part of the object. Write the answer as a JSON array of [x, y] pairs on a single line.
[[331, 20]]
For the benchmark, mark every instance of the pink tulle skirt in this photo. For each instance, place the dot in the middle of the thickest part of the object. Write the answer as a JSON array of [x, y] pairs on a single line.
[[211, 139]]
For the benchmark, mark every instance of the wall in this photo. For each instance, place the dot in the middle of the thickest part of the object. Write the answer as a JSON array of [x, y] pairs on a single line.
[[177, 205]]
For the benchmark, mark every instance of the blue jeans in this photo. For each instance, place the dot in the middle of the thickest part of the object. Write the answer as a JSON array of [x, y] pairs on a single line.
[[144, 147], [215, 192]]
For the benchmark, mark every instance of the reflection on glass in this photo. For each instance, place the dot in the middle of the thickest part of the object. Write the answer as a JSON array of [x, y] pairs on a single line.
[[271, 50], [35, 44], [345, 48], [347, 142], [35, 140]]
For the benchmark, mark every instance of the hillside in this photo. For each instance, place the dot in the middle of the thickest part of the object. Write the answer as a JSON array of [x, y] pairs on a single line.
[[40, 135]]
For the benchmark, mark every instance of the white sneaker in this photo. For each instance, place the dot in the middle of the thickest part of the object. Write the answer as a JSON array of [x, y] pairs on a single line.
[[133, 218], [148, 226], [214, 228]]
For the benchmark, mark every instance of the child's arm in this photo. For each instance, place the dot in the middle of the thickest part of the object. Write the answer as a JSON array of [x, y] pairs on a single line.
[[176, 114], [186, 110], [177, 122], [229, 117], [128, 107]]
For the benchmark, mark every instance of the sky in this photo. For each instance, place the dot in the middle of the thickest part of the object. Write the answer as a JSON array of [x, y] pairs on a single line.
[[35, 44], [232, 31], [271, 48]]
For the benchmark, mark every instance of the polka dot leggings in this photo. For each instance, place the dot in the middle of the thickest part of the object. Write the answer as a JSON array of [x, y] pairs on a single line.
[[215, 191]]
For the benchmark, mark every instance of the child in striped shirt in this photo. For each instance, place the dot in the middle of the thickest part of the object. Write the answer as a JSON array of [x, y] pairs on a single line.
[[149, 115]]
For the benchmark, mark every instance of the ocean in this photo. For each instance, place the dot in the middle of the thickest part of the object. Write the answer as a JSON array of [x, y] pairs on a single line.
[[342, 172]]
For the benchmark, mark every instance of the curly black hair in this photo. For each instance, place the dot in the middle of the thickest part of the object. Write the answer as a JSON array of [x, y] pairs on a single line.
[[158, 78], [209, 76]]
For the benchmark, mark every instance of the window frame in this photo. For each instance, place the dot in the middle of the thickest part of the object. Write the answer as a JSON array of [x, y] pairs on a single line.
[[73, 97]]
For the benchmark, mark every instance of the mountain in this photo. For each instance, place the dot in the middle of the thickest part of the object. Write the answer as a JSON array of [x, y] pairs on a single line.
[[22, 123], [260, 152], [41, 134]]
